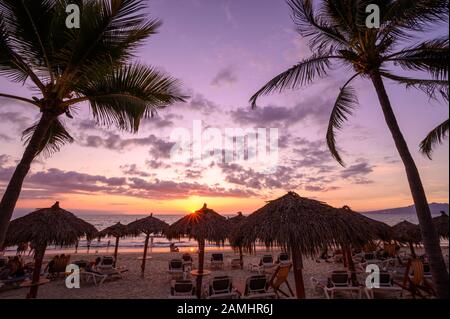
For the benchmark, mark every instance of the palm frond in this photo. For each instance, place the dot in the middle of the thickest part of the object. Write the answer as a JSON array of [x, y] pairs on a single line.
[[403, 16], [431, 87], [56, 137], [321, 33], [110, 33], [342, 109], [128, 94], [429, 56], [299, 75], [436, 136]]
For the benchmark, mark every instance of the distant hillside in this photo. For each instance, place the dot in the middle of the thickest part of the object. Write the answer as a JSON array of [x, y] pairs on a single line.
[[434, 207]]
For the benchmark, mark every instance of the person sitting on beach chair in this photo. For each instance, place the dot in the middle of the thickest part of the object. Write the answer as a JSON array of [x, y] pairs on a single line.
[[57, 266], [221, 287], [265, 263], [182, 289], [256, 287], [217, 261]]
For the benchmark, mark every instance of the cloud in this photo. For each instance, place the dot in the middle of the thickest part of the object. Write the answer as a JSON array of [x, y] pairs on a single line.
[[225, 76], [199, 103], [5, 137], [317, 110], [17, 119], [362, 168], [133, 170], [159, 148]]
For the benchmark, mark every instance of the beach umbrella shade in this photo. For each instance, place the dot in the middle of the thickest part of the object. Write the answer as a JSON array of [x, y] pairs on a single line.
[[234, 236], [117, 231], [303, 227], [202, 225], [381, 230], [48, 226], [149, 226], [406, 232], [441, 225]]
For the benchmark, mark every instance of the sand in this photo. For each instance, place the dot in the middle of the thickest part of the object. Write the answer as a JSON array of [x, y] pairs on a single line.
[[156, 283]]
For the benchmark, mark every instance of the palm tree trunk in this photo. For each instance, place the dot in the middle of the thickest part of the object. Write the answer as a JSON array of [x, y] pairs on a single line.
[[429, 235], [12, 192], [241, 257]]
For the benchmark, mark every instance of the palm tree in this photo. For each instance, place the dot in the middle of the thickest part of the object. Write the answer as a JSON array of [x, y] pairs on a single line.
[[437, 135], [66, 67], [337, 32]]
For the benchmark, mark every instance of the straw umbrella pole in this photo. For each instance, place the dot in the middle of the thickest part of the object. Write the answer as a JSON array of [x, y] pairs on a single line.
[[202, 225], [381, 230], [303, 226], [117, 231], [406, 232], [441, 224], [48, 226], [149, 226], [234, 238]]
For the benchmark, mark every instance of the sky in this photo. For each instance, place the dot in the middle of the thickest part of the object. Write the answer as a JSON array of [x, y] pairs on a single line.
[[223, 51]]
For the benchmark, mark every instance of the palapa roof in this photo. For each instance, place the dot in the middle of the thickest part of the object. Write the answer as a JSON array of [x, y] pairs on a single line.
[[304, 224], [235, 237], [147, 225], [382, 231], [405, 232], [50, 226], [116, 230], [204, 224], [441, 225]]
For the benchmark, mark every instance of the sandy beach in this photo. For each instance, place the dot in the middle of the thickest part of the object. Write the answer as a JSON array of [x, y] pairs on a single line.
[[156, 284]]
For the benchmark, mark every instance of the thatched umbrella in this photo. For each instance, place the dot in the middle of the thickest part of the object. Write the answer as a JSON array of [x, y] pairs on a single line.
[[304, 227], [202, 225], [148, 226], [441, 225], [117, 231], [406, 232], [381, 230], [234, 235], [48, 226]]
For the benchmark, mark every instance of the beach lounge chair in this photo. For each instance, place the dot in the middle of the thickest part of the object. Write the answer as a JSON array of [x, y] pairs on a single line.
[[279, 278], [266, 262], [222, 288], [415, 282], [217, 261], [91, 275], [283, 258], [338, 281], [386, 285], [182, 289], [256, 287], [176, 269]]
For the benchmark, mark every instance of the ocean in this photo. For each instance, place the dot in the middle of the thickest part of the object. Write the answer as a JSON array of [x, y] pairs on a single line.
[[160, 244]]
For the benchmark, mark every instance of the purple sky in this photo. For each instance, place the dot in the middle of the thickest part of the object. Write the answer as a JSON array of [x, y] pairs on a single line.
[[223, 51]]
